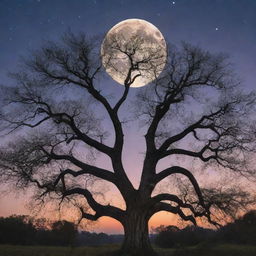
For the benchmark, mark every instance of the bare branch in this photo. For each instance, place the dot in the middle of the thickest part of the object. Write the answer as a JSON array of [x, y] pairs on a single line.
[[101, 210], [179, 170], [88, 169], [176, 210]]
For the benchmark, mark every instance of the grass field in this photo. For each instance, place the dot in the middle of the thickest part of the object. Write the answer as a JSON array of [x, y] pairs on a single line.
[[219, 250]]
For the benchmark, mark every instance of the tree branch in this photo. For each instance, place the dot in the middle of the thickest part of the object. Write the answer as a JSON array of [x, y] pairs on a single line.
[[197, 125], [179, 170], [89, 169], [86, 168], [175, 210], [101, 210]]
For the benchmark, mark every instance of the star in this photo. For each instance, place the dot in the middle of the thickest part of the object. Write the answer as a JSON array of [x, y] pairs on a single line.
[[216, 28], [173, 2]]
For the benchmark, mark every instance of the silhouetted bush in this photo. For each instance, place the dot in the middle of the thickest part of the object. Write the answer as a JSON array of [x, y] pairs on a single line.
[[24, 230], [16, 230], [172, 236], [63, 233], [241, 231]]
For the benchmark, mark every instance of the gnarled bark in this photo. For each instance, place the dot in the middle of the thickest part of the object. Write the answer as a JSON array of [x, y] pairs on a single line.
[[136, 241]]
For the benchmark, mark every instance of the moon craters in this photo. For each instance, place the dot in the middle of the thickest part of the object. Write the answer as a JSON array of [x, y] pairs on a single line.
[[134, 49]]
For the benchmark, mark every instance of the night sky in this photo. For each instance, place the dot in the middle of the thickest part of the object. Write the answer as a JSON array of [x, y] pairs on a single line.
[[217, 25]]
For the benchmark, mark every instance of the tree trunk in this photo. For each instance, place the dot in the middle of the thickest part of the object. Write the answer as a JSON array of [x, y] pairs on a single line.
[[136, 241]]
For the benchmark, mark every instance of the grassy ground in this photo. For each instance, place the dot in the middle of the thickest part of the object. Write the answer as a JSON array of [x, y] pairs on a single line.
[[214, 250], [11, 250], [203, 250]]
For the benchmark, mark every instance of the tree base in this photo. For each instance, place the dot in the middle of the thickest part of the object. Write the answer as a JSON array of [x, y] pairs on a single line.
[[130, 253]]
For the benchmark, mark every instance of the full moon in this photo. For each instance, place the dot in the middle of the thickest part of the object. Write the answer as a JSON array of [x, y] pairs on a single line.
[[134, 49]]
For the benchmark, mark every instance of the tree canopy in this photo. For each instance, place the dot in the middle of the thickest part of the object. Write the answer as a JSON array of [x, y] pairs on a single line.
[[196, 109]]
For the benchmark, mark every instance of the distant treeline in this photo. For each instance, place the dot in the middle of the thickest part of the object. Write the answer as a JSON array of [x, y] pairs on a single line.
[[241, 231], [24, 230]]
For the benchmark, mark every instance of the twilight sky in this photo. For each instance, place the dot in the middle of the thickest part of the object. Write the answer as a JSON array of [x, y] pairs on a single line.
[[217, 25]]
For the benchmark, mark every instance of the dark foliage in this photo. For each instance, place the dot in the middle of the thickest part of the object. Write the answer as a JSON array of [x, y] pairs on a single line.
[[172, 236], [16, 230], [64, 233], [241, 231], [23, 230]]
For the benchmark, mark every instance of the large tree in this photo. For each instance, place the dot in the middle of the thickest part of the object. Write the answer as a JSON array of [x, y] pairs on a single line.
[[56, 112]]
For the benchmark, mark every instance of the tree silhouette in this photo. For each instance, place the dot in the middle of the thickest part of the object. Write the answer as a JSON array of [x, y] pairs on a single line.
[[63, 233], [194, 109]]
